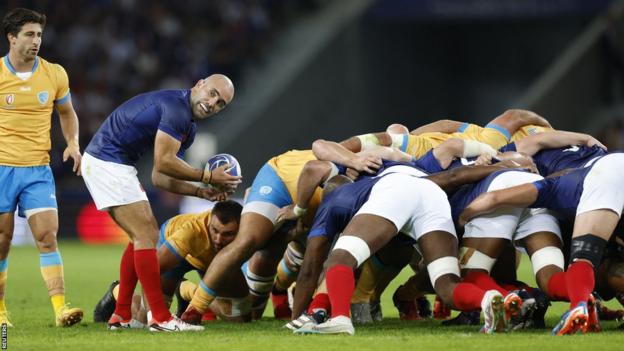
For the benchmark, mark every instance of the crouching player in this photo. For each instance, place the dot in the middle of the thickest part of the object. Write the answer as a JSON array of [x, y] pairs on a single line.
[[190, 242]]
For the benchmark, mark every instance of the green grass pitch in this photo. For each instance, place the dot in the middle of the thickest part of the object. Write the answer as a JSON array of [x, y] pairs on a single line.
[[90, 269]]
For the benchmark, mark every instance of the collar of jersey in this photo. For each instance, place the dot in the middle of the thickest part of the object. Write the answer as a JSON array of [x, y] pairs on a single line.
[[10, 67]]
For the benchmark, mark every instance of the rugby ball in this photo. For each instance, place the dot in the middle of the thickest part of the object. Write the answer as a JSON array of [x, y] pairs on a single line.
[[219, 160]]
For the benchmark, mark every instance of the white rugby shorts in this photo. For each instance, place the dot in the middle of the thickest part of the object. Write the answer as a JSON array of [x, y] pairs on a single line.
[[415, 205], [512, 223], [111, 184], [603, 187]]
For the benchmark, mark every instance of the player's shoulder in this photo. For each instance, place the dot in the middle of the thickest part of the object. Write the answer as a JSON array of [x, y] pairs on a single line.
[[49, 66]]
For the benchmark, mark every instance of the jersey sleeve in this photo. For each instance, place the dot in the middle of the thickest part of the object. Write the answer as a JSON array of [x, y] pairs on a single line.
[[429, 163], [173, 119], [545, 192], [186, 144], [62, 85], [324, 222], [509, 147]]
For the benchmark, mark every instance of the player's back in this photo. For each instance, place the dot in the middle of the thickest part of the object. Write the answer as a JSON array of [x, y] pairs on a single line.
[[288, 166], [339, 207], [190, 232], [553, 160], [527, 130], [130, 130]]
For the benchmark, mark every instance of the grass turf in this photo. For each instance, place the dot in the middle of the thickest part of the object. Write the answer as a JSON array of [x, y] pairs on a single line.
[[90, 269]]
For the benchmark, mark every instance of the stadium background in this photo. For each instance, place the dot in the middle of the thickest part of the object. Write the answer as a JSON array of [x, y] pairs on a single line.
[[307, 69]]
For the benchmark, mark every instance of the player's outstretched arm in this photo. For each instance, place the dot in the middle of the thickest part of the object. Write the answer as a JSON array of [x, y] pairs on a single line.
[[313, 174], [168, 163], [518, 196], [514, 119], [441, 126], [331, 151], [532, 144], [181, 187], [386, 153], [454, 148], [69, 126], [452, 179], [307, 280]]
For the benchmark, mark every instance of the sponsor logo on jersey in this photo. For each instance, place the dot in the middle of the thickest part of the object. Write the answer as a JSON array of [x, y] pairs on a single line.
[[572, 149], [9, 99], [43, 96]]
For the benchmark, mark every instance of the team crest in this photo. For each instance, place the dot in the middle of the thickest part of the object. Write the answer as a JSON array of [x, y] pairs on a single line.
[[42, 96], [9, 99]]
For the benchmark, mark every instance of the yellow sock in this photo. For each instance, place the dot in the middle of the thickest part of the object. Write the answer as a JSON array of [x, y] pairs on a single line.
[[52, 272], [187, 290], [202, 298], [116, 291], [58, 301], [3, 280], [285, 276], [369, 277]]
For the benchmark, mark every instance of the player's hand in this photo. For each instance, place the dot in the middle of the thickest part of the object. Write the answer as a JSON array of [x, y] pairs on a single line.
[[286, 213], [483, 159], [220, 177], [352, 174], [365, 163], [593, 141], [212, 194], [73, 151], [299, 231]]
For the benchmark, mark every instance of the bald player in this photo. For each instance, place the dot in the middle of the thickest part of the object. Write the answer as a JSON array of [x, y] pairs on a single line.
[[163, 119]]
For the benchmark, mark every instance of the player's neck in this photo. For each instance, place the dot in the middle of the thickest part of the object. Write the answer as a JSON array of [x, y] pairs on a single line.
[[19, 63]]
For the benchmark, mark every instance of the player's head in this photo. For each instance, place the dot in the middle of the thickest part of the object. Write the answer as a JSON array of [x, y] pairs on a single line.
[[23, 29], [518, 158], [396, 128], [211, 95], [334, 182], [224, 221]]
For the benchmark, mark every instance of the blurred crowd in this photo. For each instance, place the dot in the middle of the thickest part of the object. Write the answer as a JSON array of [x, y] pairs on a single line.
[[115, 49]]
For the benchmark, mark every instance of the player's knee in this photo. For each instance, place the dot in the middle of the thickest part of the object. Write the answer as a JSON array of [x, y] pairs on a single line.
[[442, 272], [470, 258], [588, 247], [350, 251], [259, 285], [46, 241], [545, 257]]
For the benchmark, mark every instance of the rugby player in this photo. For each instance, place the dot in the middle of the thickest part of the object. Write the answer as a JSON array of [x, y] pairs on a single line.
[[163, 119], [496, 134], [32, 88], [328, 223], [274, 187], [592, 197], [189, 242]]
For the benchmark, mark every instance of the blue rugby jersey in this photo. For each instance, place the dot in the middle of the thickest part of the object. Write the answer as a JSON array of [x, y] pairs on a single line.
[[130, 130], [549, 161], [561, 194]]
